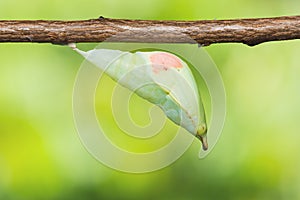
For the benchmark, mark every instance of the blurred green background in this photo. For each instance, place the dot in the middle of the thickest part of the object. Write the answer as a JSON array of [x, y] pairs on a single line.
[[41, 156]]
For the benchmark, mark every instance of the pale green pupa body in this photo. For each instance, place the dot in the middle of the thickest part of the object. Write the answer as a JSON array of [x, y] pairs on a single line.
[[161, 78]]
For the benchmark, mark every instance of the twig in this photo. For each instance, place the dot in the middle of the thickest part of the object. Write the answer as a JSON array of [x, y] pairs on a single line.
[[204, 32]]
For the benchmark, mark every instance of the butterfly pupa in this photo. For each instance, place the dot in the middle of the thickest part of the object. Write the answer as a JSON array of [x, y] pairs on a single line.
[[165, 80]]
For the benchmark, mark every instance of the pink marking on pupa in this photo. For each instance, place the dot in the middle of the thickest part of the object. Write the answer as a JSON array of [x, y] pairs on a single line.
[[163, 61]]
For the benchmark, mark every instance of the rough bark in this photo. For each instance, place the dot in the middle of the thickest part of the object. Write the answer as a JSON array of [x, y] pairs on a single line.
[[204, 32]]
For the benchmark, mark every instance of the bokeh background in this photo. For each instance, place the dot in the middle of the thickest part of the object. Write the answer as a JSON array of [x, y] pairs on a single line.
[[257, 156]]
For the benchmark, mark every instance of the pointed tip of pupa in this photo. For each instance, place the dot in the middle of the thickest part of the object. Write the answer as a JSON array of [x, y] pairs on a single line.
[[201, 135], [204, 142]]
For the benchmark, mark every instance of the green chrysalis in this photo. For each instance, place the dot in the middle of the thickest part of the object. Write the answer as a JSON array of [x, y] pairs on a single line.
[[161, 78]]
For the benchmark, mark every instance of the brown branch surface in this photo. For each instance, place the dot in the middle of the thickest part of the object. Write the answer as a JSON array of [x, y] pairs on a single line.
[[204, 32]]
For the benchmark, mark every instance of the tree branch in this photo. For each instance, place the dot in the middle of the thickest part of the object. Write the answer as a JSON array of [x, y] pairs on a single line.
[[204, 32]]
